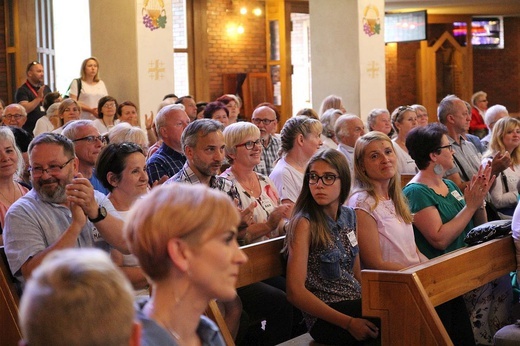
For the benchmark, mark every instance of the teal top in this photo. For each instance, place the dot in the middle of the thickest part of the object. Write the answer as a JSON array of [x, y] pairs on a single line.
[[421, 196]]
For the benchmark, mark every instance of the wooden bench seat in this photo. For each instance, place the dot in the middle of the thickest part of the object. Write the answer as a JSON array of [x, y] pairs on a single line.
[[405, 300], [10, 332]]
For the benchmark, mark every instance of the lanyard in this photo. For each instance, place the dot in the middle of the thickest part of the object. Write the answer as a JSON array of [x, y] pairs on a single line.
[[31, 88]]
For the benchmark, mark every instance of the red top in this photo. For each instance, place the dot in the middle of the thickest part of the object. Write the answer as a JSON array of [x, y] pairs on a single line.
[[476, 123]]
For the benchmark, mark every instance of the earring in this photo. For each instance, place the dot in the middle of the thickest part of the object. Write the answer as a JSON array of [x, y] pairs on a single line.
[[437, 169]]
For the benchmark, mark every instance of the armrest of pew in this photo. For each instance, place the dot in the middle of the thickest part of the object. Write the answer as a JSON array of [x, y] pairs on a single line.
[[10, 332], [405, 300]]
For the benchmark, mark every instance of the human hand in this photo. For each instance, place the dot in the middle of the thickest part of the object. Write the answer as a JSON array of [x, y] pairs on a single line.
[[246, 214], [148, 120], [160, 181], [500, 162], [278, 214], [362, 329], [78, 215], [40, 92], [80, 192], [478, 187]]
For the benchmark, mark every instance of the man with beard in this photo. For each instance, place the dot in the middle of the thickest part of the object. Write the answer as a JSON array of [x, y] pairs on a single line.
[[87, 145], [266, 119], [61, 211], [30, 94]]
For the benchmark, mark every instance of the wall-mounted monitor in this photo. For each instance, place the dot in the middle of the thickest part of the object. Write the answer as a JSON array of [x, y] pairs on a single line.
[[405, 26], [486, 32]]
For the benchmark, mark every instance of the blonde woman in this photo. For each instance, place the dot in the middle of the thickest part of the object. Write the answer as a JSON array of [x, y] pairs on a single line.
[[404, 119], [11, 167], [300, 137], [92, 88], [381, 209], [505, 138], [189, 261]]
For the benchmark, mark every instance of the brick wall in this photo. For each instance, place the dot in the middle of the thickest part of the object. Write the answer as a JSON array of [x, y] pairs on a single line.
[[241, 54], [496, 71]]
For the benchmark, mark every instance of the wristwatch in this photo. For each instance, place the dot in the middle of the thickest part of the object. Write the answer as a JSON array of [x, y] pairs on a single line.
[[102, 213]]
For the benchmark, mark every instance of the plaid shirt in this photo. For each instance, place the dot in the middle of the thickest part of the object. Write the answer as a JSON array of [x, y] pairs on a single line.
[[186, 175], [165, 161], [269, 156]]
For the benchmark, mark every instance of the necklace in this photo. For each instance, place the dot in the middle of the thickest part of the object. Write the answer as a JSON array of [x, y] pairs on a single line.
[[107, 126], [7, 199], [251, 184], [175, 335]]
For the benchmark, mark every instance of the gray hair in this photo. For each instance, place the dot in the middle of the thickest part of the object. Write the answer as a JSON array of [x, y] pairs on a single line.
[[339, 129], [475, 96], [20, 108], [55, 107], [446, 106], [328, 119], [71, 130], [160, 118], [493, 113], [199, 128], [7, 134], [54, 138], [374, 113]]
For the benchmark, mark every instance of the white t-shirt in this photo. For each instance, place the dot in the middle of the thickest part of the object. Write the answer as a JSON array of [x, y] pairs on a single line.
[[287, 180], [90, 95]]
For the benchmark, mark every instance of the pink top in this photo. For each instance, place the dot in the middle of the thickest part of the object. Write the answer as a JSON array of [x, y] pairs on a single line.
[[3, 208], [396, 237]]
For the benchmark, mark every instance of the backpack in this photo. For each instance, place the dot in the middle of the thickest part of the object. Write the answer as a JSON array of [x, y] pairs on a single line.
[[78, 81]]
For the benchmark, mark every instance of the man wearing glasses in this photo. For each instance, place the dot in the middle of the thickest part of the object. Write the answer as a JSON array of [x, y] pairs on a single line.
[[61, 211], [14, 115], [266, 119], [170, 122], [87, 144], [30, 94]]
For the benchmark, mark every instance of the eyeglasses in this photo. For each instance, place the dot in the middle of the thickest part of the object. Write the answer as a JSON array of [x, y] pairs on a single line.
[[326, 179], [250, 144], [266, 122], [109, 105], [52, 169], [92, 139], [13, 116], [449, 147]]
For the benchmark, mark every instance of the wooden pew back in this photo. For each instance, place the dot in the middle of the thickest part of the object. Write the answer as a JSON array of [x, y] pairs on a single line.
[[264, 262], [405, 300], [10, 332]]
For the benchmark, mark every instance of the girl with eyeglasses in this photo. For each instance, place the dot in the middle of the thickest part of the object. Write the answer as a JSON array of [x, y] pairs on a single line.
[[443, 215], [323, 268]]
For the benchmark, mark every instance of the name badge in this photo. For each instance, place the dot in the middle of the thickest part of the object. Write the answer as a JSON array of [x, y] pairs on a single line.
[[352, 238], [457, 195], [42, 109]]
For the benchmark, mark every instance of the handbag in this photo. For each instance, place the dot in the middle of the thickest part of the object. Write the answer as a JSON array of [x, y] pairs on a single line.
[[487, 231]]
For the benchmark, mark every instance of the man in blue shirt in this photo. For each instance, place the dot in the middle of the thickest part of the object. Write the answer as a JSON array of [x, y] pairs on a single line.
[[170, 122]]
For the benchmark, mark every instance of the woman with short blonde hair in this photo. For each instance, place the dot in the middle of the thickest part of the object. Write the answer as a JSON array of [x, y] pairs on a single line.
[[190, 261]]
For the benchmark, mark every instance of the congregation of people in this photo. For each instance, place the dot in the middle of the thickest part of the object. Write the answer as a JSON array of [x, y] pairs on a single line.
[[120, 227]]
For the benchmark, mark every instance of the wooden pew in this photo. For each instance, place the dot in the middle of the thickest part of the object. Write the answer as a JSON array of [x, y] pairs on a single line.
[[10, 332], [405, 300], [264, 262]]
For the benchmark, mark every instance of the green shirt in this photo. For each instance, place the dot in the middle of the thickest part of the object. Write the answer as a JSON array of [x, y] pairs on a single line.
[[421, 196]]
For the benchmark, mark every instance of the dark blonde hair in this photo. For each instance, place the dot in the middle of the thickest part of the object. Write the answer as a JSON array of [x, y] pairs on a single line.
[[295, 126], [84, 65], [176, 210], [362, 182], [496, 145]]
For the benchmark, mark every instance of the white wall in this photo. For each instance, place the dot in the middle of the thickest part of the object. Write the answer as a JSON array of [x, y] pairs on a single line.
[[71, 39]]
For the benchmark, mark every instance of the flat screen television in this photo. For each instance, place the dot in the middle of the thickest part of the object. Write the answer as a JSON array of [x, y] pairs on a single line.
[[405, 26], [486, 32]]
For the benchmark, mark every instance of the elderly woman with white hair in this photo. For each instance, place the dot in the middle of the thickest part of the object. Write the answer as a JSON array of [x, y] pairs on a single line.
[[493, 114], [45, 124], [422, 114], [124, 132], [328, 120], [10, 169], [379, 120]]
